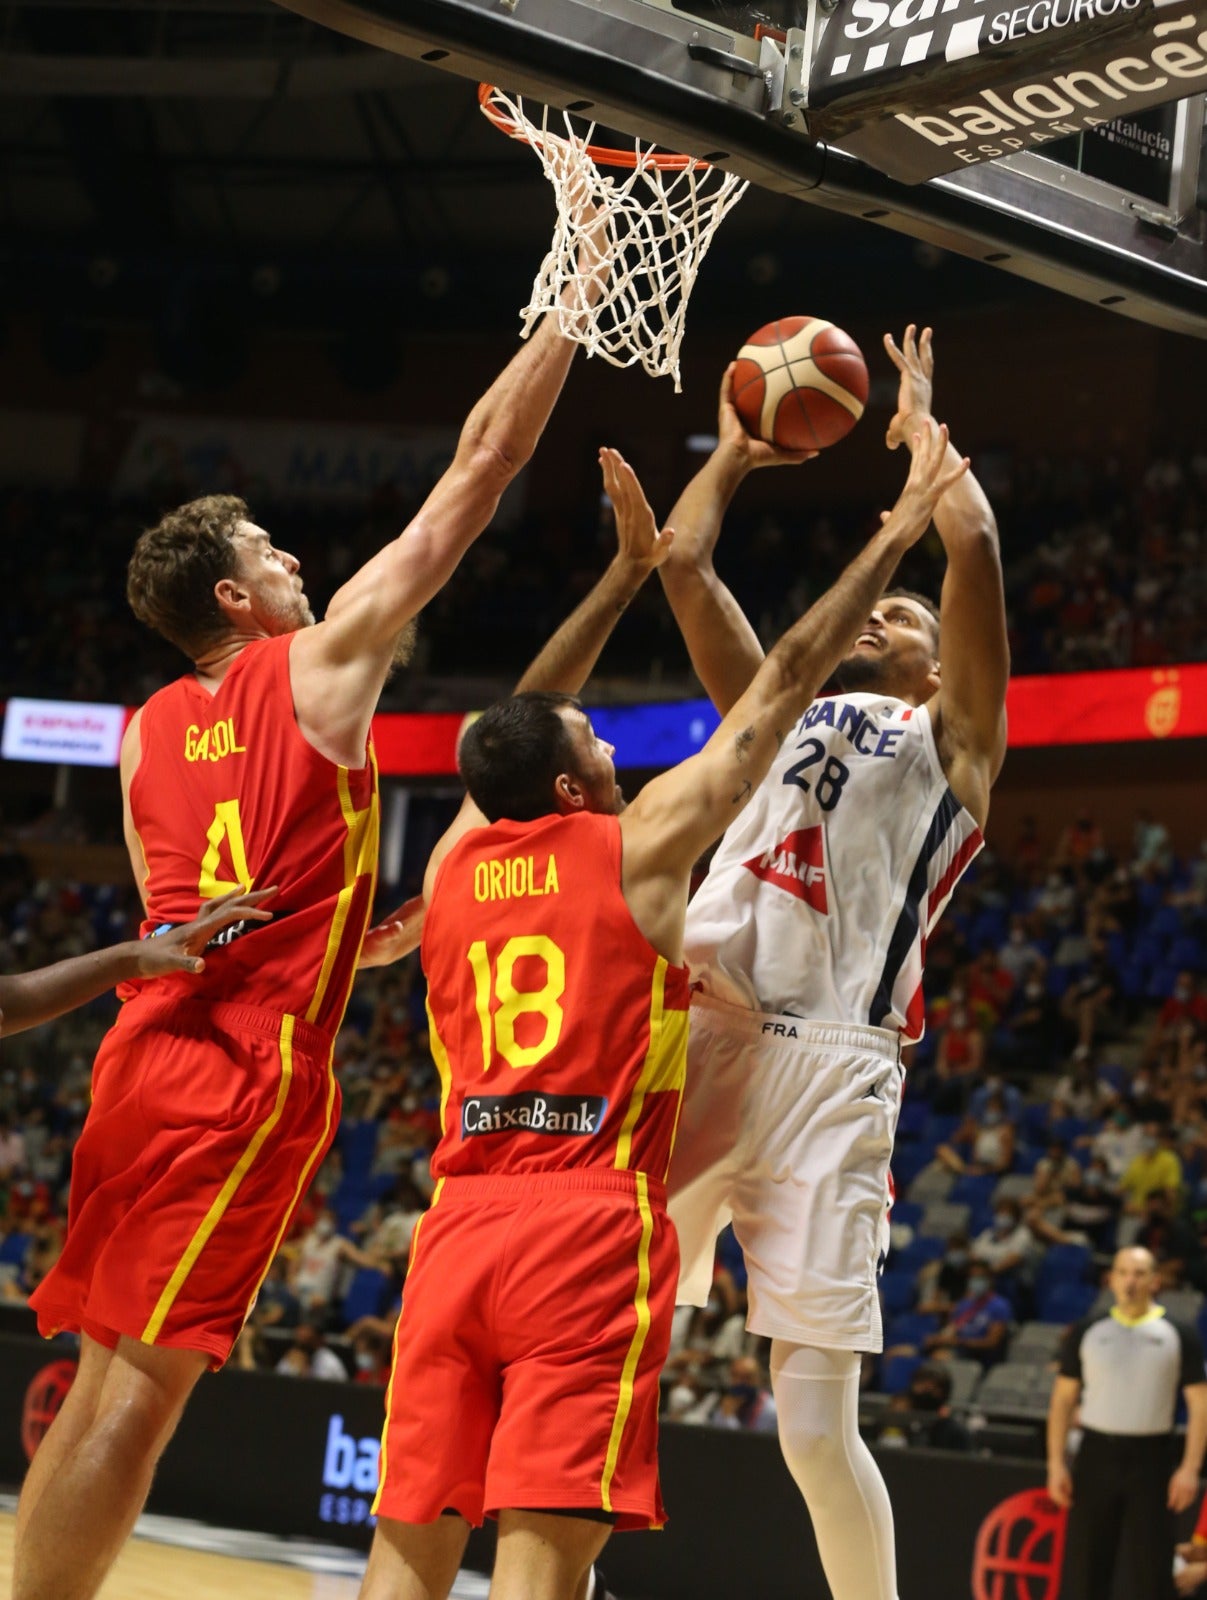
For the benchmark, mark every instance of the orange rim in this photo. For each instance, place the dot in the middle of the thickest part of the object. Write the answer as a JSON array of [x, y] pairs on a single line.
[[603, 155]]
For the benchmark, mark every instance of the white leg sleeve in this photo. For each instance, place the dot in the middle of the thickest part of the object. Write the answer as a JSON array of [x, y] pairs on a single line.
[[817, 1404]]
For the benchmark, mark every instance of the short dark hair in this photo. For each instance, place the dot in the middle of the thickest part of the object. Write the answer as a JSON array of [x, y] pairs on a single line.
[[927, 604], [171, 577], [935, 1375], [511, 757]]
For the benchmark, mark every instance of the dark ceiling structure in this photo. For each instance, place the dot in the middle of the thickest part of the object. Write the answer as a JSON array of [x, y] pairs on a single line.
[[196, 161]]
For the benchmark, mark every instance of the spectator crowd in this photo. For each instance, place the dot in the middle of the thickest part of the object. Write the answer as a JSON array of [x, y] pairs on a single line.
[[1055, 1109]]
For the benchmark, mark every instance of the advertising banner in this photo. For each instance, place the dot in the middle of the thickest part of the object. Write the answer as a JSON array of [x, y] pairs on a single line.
[[70, 732], [295, 1456], [917, 88], [1121, 707]]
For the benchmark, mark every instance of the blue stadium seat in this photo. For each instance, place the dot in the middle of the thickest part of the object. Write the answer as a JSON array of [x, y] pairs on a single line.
[[358, 1144], [974, 1189], [1069, 1128], [14, 1246], [1186, 953], [917, 1253], [896, 1372], [909, 1327], [908, 1161], [1059, 979], [1065, 1302], [1161, 982], [940, 1128], [366, 1294], [907, 1212], [1166, 922], [911, 1124], [897, 1291], [1062, 1263], [1133, 980]]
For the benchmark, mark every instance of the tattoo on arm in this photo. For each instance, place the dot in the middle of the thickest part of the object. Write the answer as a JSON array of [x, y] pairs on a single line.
[[742, 742], [741, 794]]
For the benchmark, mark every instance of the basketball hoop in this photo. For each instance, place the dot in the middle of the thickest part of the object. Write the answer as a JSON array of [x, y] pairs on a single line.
[[628, 244]]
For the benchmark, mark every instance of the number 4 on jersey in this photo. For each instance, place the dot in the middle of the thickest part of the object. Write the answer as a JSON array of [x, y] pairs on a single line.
[[226, 828]]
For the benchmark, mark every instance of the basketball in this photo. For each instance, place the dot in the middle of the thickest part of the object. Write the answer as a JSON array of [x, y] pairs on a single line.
[[800, 383]]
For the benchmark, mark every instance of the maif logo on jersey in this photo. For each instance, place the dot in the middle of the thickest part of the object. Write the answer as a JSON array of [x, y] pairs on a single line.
[[797, 865]]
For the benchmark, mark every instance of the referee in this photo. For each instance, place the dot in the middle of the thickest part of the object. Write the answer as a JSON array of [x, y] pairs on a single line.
[[1125, 1367]]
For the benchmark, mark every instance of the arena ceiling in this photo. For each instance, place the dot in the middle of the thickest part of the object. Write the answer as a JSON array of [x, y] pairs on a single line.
[[206, 135]]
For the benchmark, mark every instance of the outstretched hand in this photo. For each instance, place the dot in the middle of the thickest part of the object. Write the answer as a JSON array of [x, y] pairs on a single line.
[[915, 361], [732, 434], [638, 536], [394, 937], [179, 950], [929, 480]]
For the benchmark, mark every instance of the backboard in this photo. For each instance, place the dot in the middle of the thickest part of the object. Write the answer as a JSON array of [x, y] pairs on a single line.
[[1061, 140]]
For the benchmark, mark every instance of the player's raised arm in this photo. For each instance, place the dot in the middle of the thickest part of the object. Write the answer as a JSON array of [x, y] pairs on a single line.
[[565, 663], [339, 666], [969, 712], [680, 813], [724, 648]]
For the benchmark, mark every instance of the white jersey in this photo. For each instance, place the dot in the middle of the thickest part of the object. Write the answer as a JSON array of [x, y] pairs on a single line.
[[821, 895]]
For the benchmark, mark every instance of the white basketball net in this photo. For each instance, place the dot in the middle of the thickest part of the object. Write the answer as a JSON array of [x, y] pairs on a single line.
[[628, 244]]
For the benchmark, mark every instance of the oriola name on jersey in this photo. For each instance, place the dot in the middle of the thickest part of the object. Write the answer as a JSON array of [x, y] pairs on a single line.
[[514, 877]]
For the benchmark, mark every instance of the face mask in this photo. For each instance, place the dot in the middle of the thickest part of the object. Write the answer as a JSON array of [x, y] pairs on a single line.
[[978, 1285], [1120, 1119], [991, 1119], [925, 1400], [1034, 990], [957, 1258], [1092, 1180], [324, 1230], [1003, 1221], [681, 1396], [364, 1361]]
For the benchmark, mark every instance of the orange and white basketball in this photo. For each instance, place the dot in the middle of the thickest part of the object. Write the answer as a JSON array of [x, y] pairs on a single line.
[[800, 383]]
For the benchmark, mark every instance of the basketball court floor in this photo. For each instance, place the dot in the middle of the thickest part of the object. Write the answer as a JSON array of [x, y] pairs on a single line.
[[171, 1557]]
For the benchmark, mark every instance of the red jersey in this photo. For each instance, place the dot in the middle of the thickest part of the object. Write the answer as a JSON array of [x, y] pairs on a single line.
[[229, 794], [559, 1032]]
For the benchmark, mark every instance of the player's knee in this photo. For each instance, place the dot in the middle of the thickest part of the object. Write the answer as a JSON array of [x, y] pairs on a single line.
[[811, 1447]]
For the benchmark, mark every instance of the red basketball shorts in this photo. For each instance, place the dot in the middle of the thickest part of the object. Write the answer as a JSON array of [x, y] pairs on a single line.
[[207, 1123], [535, 1323]]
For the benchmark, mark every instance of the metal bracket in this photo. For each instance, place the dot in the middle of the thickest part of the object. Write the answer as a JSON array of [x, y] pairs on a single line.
[[769, 67]]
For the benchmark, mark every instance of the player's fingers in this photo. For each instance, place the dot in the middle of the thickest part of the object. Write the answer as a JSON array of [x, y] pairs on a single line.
[[894, 355]]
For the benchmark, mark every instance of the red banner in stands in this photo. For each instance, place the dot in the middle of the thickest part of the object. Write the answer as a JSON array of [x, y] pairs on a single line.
[[1108, 707], [1127, 706]]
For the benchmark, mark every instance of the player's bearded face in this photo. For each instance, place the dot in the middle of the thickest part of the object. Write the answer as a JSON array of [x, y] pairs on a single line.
[[859, 673]]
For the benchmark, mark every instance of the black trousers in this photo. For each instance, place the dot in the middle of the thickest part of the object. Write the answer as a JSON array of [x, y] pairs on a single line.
[[1120, 1537]]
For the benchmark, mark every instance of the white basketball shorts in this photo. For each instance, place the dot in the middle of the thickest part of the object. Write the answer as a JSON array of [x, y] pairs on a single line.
[[787, 1129]]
